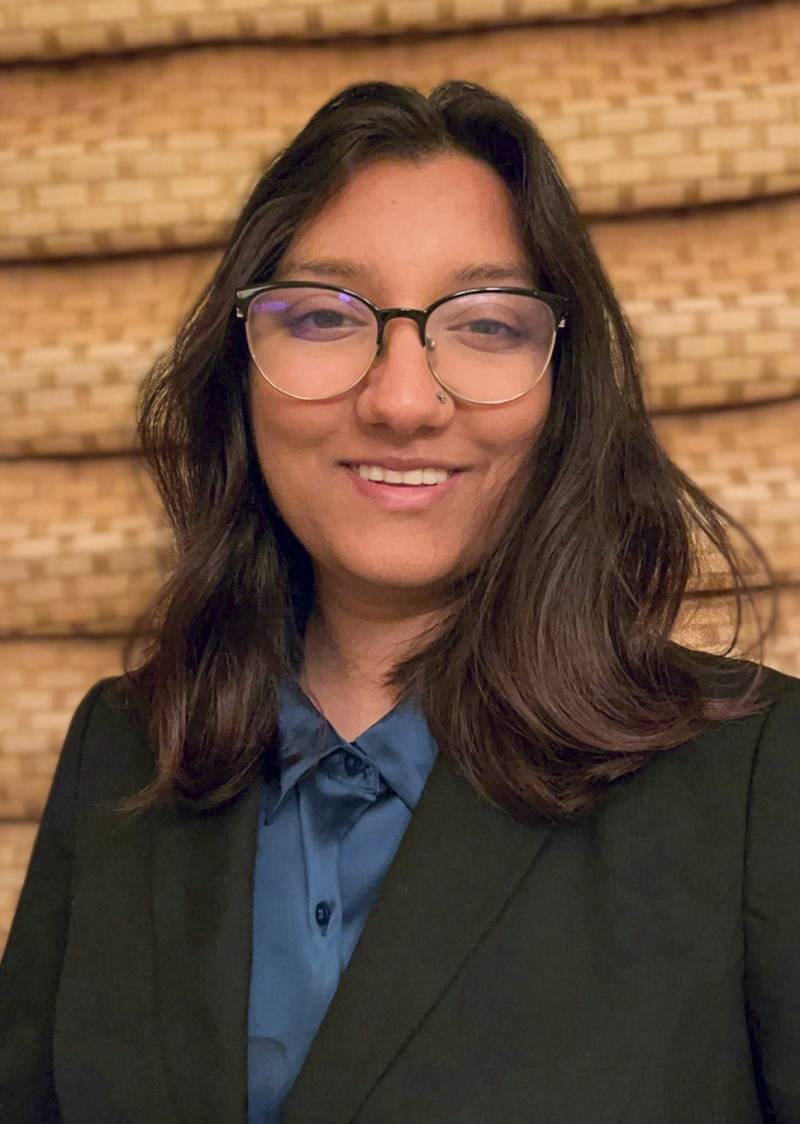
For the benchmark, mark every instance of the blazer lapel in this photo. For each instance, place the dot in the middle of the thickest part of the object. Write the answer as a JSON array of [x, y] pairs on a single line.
[[202, 901], [457, 864]]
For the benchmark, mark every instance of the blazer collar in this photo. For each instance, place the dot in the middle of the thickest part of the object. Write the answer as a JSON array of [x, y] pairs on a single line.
[[457, 864]]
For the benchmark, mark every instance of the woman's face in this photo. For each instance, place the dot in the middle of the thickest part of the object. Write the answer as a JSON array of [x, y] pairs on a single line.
[[407, 229]]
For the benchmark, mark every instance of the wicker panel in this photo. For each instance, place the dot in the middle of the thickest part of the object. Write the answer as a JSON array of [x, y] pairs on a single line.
[[159, 151], [41, 683], [85, 542], [709, 626], [714, 297], [16, 844], [42, 30], [748, 461], [37, 703], [717, 323], [77, 339], [82, 545]]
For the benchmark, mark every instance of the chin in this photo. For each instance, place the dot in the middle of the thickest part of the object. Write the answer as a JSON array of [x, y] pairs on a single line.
[[406, 578], [402, 570]]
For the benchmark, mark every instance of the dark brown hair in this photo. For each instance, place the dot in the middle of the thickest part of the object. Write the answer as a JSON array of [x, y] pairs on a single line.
[[551, 672]]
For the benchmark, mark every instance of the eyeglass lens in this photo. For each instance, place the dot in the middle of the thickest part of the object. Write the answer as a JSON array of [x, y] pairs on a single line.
[[315, 343]]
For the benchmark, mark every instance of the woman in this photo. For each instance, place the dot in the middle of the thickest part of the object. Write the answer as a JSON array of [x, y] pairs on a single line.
[[413, 811]]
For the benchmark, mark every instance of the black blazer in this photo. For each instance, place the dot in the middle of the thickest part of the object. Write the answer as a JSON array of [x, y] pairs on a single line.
[[639, 966]]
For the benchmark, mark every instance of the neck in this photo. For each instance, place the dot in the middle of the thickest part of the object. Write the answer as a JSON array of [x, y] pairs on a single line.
[[355, 641]]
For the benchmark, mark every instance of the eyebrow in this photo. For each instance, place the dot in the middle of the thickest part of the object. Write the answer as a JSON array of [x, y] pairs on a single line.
[[480, 273]]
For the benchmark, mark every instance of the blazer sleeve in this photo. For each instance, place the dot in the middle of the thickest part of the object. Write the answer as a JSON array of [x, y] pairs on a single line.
[[31, 965], [772, 909]]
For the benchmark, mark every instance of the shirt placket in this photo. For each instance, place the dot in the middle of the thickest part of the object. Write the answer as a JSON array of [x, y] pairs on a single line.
[[332, 798]]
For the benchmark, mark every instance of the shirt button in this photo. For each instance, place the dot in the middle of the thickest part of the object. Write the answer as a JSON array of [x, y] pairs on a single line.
[[322, 913], [352, 764]]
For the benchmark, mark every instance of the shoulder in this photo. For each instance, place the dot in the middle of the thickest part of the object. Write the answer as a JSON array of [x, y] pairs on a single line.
[[775, 727], [106, 747], [715, 777], [778, 692], [108, 707], [775, 765], [772, 732]]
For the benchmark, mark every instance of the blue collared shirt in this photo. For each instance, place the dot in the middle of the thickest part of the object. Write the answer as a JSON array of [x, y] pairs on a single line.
[[326, 838]]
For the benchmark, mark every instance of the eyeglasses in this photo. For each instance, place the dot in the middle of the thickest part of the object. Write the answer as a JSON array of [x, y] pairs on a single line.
[[313, 340]]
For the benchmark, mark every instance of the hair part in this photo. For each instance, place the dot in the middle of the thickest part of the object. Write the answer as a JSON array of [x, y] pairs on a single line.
[[550, 672]]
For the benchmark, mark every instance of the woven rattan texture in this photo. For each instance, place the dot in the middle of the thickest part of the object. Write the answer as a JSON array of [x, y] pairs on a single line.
[[160, 151], [47, 30], [42, 680], [16, 843], [76, 340], [41, 683], [84, 543], [714, 298], [749, 462]]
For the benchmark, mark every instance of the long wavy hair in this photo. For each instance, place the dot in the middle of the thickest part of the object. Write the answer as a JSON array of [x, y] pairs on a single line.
[[550, 672]]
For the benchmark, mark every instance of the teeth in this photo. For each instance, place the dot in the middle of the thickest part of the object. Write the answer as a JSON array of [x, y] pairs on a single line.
[[389, 476]]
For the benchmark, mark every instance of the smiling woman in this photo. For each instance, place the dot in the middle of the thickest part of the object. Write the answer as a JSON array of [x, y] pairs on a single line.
[[351, 388], [413, 810]]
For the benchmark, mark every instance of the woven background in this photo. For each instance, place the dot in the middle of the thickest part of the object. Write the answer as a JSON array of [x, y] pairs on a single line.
[[158, 151], [42, 29], [676, 124]]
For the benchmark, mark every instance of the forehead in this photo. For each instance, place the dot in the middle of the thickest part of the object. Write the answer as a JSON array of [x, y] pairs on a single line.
[[450, 215]]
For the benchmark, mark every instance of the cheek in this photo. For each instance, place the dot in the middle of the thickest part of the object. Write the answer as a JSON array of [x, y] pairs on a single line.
[[280, 425], [273, 439], [514, 428], [288, 437]]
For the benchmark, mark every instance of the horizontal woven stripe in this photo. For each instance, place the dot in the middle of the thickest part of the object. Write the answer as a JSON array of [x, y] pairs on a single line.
[[713, 295], [42, 681], [160, 150], [717, 323], [84, 542], [77, 340], [16, 844], [748, 461], [41, 29], [83, 545]]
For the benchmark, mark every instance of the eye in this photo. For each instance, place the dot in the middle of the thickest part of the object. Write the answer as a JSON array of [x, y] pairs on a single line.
[[488, 327], [320, 318]]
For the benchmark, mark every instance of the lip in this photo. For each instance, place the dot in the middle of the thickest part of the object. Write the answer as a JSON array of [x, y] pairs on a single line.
[[406, 464], [410, 497]]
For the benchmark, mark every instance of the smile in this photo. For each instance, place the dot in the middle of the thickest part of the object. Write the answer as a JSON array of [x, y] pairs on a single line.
[[403, 497]]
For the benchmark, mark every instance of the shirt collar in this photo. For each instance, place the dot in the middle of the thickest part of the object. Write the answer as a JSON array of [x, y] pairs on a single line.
[[399, 745]]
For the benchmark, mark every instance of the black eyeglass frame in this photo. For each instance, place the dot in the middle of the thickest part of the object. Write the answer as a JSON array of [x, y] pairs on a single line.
[[558, 305]]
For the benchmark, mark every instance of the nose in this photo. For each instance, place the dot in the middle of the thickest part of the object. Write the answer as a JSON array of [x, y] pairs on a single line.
[[402, 387]]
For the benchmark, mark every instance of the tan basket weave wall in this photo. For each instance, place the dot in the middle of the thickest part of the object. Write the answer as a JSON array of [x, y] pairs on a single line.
[[43, 30], [154, 152], [16, 843], [718, 324], [85, 540], [91, 161], [76, 340], [84, 543], [40, 688], [714, 297]]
